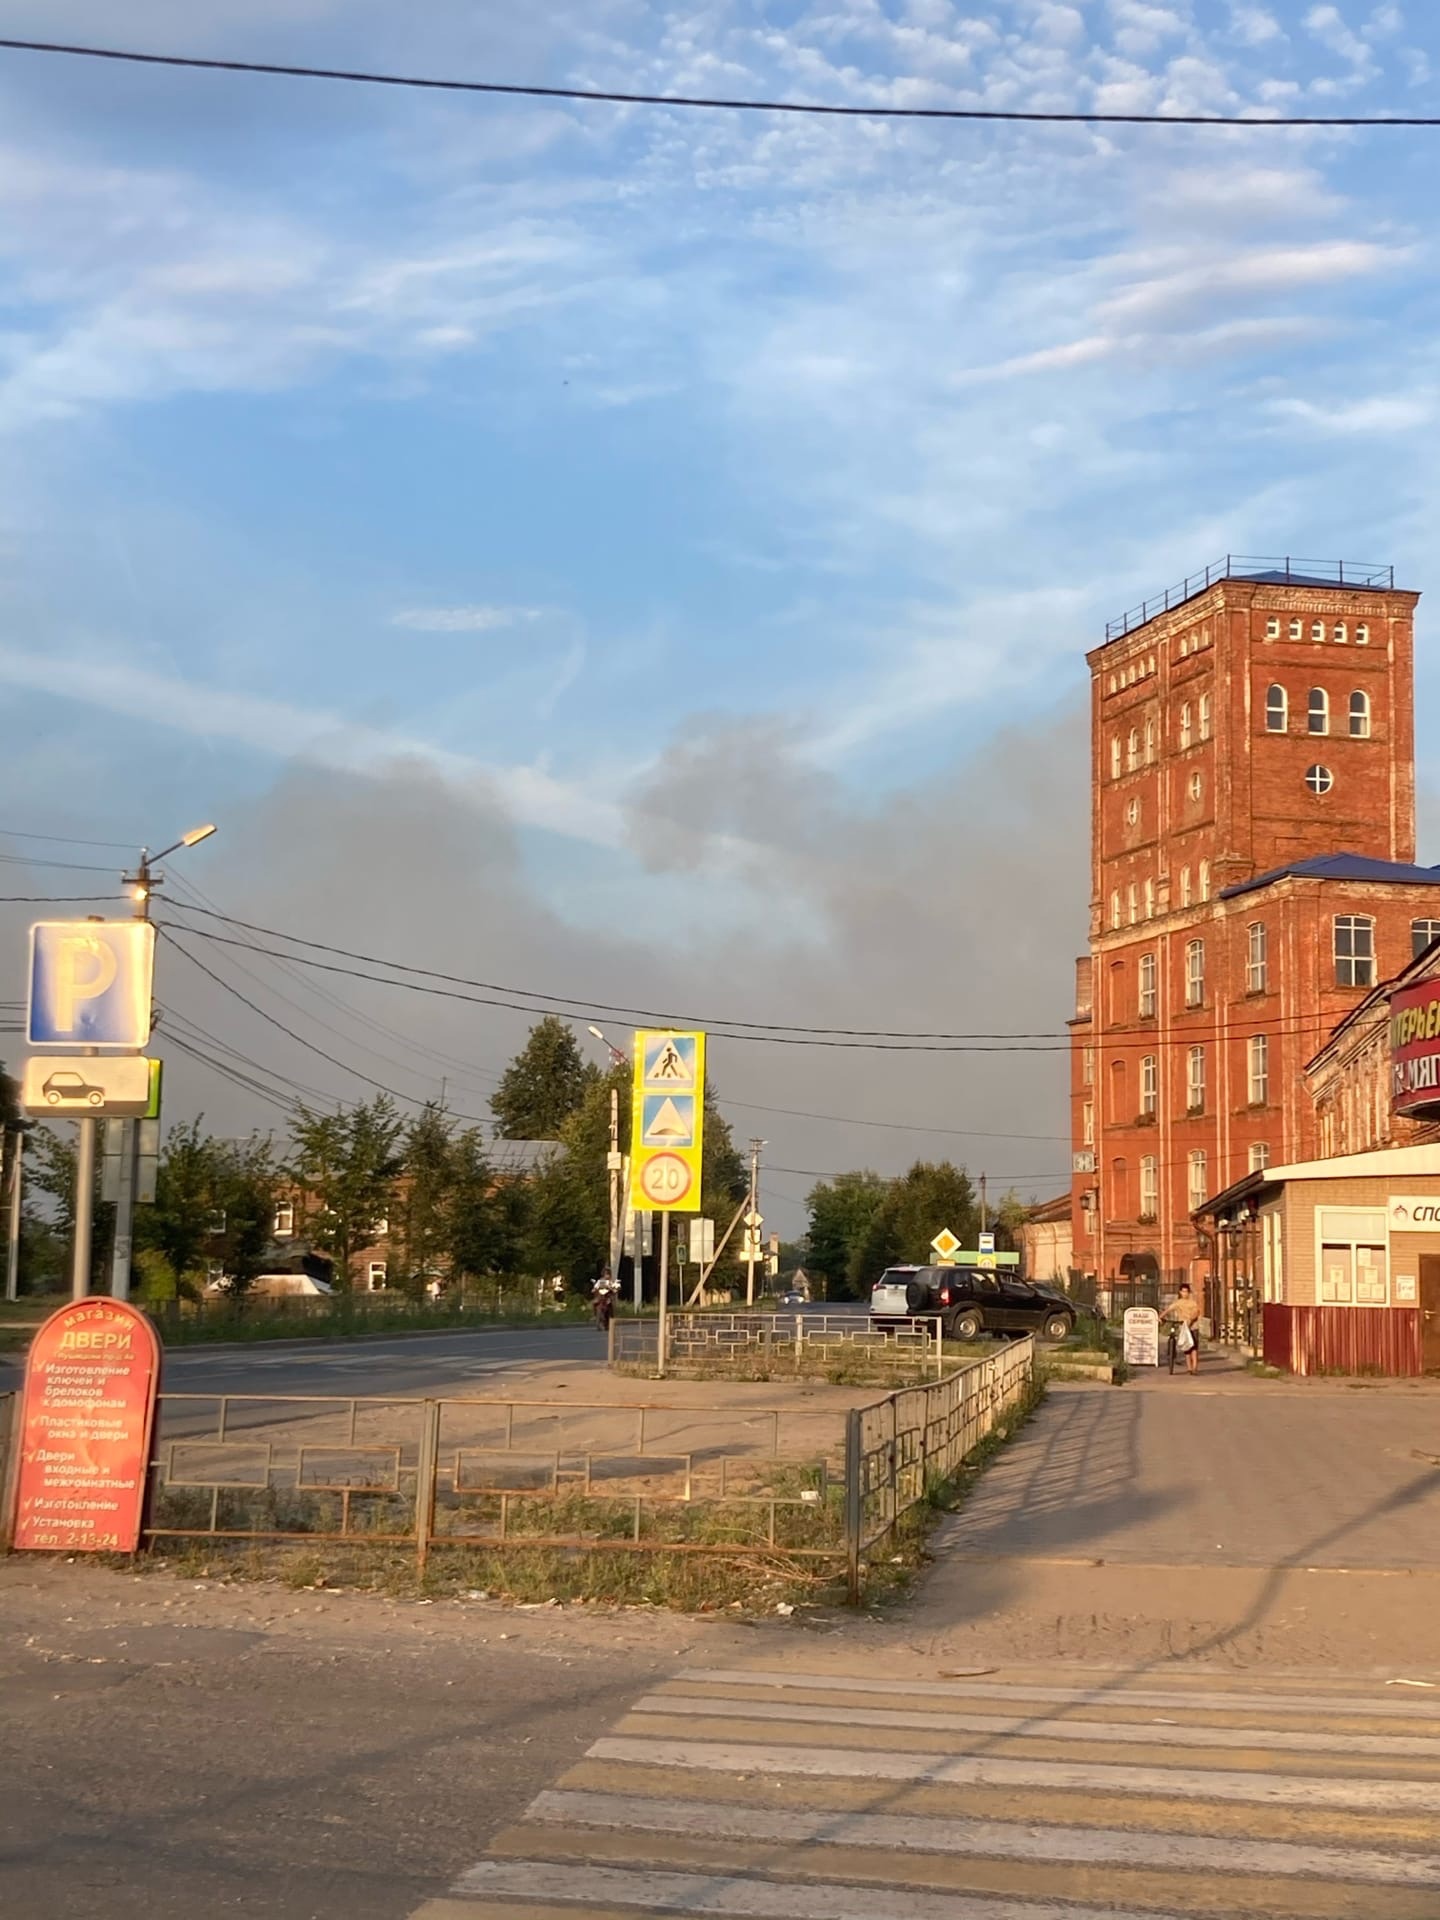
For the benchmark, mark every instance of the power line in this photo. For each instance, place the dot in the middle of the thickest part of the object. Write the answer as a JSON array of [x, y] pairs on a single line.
[[66, 840], [612, 97], [890, 1126], [55, 899], [68, 866]]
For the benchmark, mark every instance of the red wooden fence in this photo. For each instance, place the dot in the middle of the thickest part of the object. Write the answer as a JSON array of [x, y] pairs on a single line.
[[1344, 1340]]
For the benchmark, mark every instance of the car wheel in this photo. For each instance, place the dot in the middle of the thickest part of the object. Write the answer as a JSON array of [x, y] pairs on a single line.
[[967, 1326], [96, 1099], [53, 1099], [1057, 1326]]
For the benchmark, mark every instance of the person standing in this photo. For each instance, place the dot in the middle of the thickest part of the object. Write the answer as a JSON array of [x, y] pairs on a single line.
[[1184, 1312]]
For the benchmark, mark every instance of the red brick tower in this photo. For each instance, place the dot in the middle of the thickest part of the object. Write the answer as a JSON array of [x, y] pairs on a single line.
[[1252, 850]]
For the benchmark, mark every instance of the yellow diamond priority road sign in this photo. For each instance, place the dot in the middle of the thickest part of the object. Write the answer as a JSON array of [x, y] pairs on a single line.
[[946, 1245]]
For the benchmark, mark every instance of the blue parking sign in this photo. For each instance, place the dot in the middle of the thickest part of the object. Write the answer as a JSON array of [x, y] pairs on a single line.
[[90, 983]]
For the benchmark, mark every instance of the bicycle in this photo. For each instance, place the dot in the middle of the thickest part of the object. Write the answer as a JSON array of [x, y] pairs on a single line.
[[1174, 1345]]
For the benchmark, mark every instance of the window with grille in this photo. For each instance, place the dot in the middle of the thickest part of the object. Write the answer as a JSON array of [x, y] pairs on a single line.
[[1354, 950], [1147, 986], [1149, 1087], [1277, 710], [1195, 1080], [1318, 711], [1199, 1179], [1319, 779], [1194, 973], [1257, 960], [1259, 1069], [1149, 1187], [1422, 933], [1359, 716]]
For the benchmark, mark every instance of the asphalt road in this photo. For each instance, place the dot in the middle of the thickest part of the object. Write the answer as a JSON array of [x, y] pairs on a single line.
[[176, 1749]]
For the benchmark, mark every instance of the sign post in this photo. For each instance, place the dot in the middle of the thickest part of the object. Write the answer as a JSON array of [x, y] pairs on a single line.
[[667, 1121], [86, 1418]]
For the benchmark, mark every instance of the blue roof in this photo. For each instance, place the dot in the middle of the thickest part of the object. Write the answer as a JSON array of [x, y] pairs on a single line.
[[1341, 866]]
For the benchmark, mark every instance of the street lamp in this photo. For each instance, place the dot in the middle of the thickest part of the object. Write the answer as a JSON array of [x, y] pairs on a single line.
[[617, 1057], [143, 880], [615, 1169]]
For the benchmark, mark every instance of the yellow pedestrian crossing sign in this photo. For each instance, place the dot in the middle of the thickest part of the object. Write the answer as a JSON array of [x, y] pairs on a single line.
[[667, 1119]]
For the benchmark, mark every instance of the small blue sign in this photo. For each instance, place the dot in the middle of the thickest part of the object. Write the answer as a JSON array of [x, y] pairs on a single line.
[[90, 983], [670, 1061], [669, 1120]]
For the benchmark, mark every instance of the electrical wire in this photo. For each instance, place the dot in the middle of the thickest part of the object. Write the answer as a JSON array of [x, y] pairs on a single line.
[[55, 899], [613, 97], [66, 840], [68, 866]]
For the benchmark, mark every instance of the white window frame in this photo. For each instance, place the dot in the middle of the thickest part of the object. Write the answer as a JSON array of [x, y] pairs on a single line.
[[1257, 957], [1297, 629], [1360, 713], [1146, 982], [1204, 879], [1198, 1190], [1132, 750], [1362, 634], [1087, 1123], [1149, 899], [1417, 946], [1150, 741], [372, 1269], [1195, 1080], [1149, 1187], [1185, 723], [1317, 707], [1257, 1069], [1272, 627], [1204, 716], [1335, 1231], [1132, 904], [1339, 633], [1259, 1156], [1087, 1066], [1149, 1086], [284, 1227], [1115, 912], [1196, 786], [1194, 973], [1185, 886], [1319, 779], [1115, 757], [1317, 630], [1277, 709], [1273, 1234], [1361, 967]]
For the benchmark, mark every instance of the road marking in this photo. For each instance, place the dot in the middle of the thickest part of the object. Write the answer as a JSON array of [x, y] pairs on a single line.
[[963, 1769], [749, 1899], [961, 1835], [1103, 1732], [1253, 1704]]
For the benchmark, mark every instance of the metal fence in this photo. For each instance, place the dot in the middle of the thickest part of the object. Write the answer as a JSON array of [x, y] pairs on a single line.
[[742, 1342], [1244, 566], [917, 1438], [427, 1476]]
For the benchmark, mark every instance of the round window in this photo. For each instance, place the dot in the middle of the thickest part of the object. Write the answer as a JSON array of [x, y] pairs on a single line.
[[1319, 779], [1197, 786], [1132, 812]]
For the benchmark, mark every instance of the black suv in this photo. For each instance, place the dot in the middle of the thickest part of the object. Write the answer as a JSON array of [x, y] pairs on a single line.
[[972, 1301]]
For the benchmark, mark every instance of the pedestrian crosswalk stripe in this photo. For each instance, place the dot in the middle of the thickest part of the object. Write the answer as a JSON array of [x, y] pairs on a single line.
[[742, 1898], [990, 1770], [813, 1795], [1312, 1700], [1107, 1733], [960, 1834]]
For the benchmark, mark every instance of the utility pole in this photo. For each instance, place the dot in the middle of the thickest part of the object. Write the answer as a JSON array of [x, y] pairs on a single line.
[[84, 1206], [12, 1236], [984, 1216], [751, 1230], [612, 1168]]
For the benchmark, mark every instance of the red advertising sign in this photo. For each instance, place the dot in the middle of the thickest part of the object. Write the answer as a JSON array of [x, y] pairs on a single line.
[[1415, 1047], [85, 1422]]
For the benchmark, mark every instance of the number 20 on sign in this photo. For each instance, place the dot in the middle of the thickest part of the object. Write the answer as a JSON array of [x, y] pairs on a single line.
[[667, 1118]]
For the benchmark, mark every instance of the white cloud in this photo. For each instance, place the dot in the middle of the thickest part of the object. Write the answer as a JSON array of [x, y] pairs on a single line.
[[1254, 26], [462, 619], [1387, 413]]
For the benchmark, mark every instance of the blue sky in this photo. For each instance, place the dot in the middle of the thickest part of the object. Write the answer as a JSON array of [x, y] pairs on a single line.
[[691, 525]]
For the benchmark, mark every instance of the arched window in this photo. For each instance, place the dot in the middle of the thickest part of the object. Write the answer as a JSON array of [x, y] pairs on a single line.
[[1317, 630], [1132, 757], [1362, 634], [1297, 629], [1204, 716], [1339, 633], [1277, 710], [1149, 743], [1114, 911], [1204, 879], [1195, 973], [1115, 758], [1185, 886], [1359, 716], [1185, 724], [1319, 710], [1147, 986], [1133, 902], [1149, 899]]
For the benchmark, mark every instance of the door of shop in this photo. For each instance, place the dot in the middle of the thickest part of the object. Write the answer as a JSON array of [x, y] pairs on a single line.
[[1430, 1310]]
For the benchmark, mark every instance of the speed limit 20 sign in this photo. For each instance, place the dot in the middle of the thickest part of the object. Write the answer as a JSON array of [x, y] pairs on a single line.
[[667, 1120]]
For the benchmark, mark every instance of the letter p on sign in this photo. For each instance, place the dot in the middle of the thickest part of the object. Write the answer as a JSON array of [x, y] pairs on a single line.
[[90, 983]]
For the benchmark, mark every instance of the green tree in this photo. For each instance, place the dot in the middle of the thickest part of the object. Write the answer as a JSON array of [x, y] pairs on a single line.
[[841, 1211], [214, 1206], [420, 1222], [568, 1225], [485, 1217], [348, 1161], [543, 1085], [51, 1167]]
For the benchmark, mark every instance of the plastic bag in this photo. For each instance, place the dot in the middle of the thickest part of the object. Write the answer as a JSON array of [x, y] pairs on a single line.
[[1184, 1339]]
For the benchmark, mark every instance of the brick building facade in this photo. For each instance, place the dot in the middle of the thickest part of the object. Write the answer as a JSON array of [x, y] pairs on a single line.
[[1252, 878]]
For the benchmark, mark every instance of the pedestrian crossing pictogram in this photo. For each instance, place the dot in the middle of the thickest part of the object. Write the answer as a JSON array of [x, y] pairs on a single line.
[[670, 1060]]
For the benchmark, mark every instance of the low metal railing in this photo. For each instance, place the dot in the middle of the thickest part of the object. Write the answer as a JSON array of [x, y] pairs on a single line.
[[917, 1438], [738, 1341], [1246, 566]]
